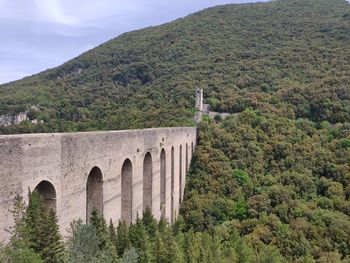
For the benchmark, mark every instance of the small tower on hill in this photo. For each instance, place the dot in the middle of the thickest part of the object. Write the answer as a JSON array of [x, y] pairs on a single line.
[[199, 99], [199, 105]]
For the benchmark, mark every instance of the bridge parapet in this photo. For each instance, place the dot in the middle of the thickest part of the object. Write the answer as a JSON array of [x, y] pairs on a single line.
[[116, 172]]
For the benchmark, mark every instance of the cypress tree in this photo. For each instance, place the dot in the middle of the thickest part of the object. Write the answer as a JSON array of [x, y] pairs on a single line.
[[42, 231], [19, 211], [178, 226], [216, 249], [106, 246], [162, 225], [159, 250], [149, 222], [53, 251], [123, 241], [172, 254], [19, 249], [112, 234], [205, 252], [140, 240], [101, 227], [192, 247]]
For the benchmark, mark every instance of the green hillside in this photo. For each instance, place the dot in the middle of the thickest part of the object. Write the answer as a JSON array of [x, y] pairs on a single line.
[[270, 183], [286, 52]]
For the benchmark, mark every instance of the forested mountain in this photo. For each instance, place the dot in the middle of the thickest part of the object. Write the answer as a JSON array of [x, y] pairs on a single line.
[[270, 183], [279, 182], [290, 52]]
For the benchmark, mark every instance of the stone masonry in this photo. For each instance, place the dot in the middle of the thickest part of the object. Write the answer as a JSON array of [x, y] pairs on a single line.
[[77, 172]]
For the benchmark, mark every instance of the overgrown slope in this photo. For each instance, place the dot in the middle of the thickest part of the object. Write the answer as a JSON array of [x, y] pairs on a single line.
[[271, 180], [285, 51], [278, 182]]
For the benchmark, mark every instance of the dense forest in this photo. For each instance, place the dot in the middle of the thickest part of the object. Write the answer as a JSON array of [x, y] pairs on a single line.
[[294, 52], [270, 183], [276, 181], [35, 239]]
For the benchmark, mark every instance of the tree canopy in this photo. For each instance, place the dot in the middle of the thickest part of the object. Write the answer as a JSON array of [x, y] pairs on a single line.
[[289, 52]]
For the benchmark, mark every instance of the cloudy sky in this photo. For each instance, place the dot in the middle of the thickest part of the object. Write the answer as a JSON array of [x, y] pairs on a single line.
[[40, 34]]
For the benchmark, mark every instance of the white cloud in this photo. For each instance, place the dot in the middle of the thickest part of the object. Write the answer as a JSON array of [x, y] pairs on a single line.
[[51, 10], [67, 12], [35, 11], [94, 12]]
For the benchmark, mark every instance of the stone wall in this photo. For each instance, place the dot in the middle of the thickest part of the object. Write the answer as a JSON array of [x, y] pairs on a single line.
[[63, 163]]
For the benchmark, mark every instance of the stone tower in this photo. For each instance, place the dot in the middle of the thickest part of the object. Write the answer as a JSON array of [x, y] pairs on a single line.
[[199, 105], [199, 99]]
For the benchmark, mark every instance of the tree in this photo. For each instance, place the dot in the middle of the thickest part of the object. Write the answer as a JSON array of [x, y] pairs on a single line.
[[99, 223], [123, 241], [192, 247], [243, 251], [162, 225], [112, 234], [270, 254], [19, 249], [149, 222], [83, 245], [178, 225], [19, 252], [140, 241], [159, 250], [106, 246], [42, 231], [18, 231], [218, 118], [130, 256], [165, 249]]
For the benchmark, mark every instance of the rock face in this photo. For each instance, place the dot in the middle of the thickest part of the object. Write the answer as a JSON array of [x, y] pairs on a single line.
[[6, 120], [116, 172]]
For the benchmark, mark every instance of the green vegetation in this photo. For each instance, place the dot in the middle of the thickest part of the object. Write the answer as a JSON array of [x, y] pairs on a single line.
[[285, 52], [35, 236], [144, 241], [271, 183], [277, 181]]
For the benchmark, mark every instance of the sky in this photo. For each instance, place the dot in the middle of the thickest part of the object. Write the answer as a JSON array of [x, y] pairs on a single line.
[[41, 34]]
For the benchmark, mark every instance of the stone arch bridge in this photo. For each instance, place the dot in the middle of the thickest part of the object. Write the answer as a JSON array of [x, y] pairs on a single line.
[[119, 173]]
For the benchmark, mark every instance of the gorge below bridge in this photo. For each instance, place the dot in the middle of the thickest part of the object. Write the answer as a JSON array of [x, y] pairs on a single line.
[[119, 173]]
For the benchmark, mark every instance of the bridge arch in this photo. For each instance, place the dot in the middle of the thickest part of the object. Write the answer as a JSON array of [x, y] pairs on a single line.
[[180, 172], [186, 157], [126, 191], [147, 181], [48, 192], [94, 192], [172, 185], [162, 181]]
